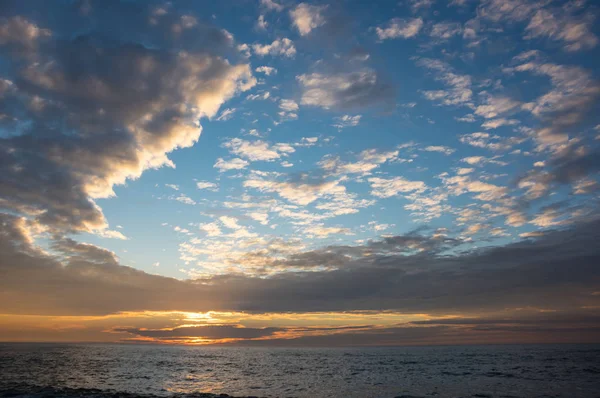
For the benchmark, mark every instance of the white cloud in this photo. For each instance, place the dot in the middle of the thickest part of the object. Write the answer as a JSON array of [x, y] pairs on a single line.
[[288, 105], [267, 70], [459, 92], [440, 148], [258, 150], [323, 232], [301, 193], [288, 109], [211, 229], [271, 5], [284, 47], [496, 106], [185, 199], [489, 141], [385, 188], [262, 218], [261, 96], [573, 92], [398, 27], [226, 114], [21, 31], [347, 121], [344, 90], [172, 186], [230, 222], [232, 164], [576, 33], [445, 30], [207, 185], [495, 123], [464, 170], [261, 23], [368, 160], [307, 17]]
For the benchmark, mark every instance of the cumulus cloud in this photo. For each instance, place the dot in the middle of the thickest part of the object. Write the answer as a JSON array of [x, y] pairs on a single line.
[[267, 70], [258, 150], [207, 185], [367, 161], [573, 93], [569, 24], [344, 90], [459, 92], [439, 148], [302, 192], [271, 5], [445, 30], [306, 17], [397, 27], [124, 107], [282, 47], [231, 164], [347, 121], [226, 114], [385, 188]]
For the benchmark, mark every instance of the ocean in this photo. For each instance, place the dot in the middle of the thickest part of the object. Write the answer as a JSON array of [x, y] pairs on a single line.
[[110, 370]]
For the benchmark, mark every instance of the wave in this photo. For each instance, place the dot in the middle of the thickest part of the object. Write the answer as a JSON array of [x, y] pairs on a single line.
[[31, 391]]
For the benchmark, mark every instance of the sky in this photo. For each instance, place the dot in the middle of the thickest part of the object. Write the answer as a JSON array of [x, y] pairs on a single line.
[[272, 172]]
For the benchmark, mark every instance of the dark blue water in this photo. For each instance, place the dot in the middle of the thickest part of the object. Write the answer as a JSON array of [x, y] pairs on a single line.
[[466, 371]]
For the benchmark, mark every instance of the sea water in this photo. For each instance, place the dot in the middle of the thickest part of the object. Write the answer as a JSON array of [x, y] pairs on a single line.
[[458, 371]]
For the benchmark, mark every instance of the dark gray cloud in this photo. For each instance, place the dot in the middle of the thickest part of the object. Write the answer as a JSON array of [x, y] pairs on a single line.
[[215, 332], [556, 271]]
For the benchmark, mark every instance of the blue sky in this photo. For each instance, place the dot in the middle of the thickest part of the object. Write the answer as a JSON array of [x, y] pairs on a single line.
[[219, 140], [419, 135]]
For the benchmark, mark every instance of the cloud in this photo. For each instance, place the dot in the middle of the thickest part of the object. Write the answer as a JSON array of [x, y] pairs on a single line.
[[283, 47], [261, 23], [124, 106], [408, 273], [267, 70], [211, 229], [21, 34], [212, 332], [226, 114], [307, 17], [230, 222], [347, 121], [496, 106], [489, 141], [211, 186], [368, 160], [567, 23], [397, 27], [231, 164], [271, 5], [565, 106], [258, 150], [302, 192], [385, 188], [445, 30], [185, 199], [344, 90], [322, 232], [459, 92], [440, 148], [574, 32]]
